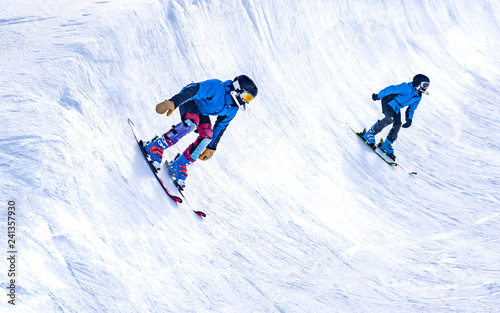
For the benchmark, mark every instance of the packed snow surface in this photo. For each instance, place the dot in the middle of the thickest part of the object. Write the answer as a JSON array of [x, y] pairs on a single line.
[[301, 215]]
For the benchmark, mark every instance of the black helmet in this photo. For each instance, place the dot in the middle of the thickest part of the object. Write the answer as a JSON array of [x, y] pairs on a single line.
[[243, 90], [247, 84], [421, 83]]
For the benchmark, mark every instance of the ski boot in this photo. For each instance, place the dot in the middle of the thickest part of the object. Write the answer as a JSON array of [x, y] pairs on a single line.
[[368, 137], [386, 146], [156, 146], [154, 149], [178, 170]]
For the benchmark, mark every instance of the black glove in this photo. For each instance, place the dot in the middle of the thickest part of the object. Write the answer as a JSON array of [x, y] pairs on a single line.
[[407, 124], [375, 97]]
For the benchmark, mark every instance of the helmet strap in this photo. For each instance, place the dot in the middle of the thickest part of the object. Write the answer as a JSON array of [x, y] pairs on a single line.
[[236, 94], [238, 100], [425, 92]]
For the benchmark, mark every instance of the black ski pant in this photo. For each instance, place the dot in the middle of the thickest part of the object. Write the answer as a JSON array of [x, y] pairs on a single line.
[[391, 117]]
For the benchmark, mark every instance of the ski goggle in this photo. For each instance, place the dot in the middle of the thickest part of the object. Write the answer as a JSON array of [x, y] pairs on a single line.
[[246, 97], [423, 86]]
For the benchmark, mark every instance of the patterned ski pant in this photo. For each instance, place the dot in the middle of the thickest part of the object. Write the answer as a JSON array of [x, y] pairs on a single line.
[[189, 111]]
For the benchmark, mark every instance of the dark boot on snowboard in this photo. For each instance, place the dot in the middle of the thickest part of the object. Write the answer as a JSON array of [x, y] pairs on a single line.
[[386, 146]]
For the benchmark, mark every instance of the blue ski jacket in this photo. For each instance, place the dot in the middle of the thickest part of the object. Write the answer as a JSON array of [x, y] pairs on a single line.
[[212, 97], [405, 96]]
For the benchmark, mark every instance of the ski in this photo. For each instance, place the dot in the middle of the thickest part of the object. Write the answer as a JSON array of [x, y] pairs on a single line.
[[374, 149], [398, 164], [408, 171], [360, 136], [179, 189], [161, 177], [141, 147]]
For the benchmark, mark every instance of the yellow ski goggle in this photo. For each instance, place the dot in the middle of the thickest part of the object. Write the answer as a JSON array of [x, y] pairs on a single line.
[[246, 97]]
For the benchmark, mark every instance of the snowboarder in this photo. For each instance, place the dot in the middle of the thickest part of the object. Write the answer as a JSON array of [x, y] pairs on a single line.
[[196, 102], [394, 98]]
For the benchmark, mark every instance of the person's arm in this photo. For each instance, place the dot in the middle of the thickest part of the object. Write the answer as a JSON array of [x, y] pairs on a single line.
[[187, 93], [219, 129], [391, 90], [409, 114]]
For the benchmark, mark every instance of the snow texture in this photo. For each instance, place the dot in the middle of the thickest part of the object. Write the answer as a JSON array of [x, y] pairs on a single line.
[[302, 217]]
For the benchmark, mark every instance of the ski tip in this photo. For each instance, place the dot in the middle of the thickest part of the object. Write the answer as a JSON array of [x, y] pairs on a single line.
[[200, 214], [413, 173]]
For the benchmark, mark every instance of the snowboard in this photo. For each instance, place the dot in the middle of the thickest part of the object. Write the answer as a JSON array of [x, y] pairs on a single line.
[[374, 149]]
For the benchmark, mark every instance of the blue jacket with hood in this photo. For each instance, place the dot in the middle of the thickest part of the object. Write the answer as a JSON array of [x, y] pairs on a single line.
[[405, 96], [212, 97]]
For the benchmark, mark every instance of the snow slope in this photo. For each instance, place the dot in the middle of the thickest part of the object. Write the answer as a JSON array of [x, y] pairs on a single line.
[[301, 216]]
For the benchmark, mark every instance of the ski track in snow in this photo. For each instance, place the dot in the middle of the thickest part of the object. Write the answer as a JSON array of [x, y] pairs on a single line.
[[302, 217]]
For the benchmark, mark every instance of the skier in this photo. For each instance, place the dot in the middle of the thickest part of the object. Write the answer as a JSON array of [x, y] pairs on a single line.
[[196, 102], [394, 98]]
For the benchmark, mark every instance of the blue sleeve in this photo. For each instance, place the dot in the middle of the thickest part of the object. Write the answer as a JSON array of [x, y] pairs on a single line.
[[187, 93], [411, 109], [219, 129], [392, 90], [193, 91]]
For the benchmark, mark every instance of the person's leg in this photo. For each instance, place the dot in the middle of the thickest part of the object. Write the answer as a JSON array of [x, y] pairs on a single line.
[[386, 146], [156, 147], [389, 116], [192, 152], [204, 137], [396, 126]]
